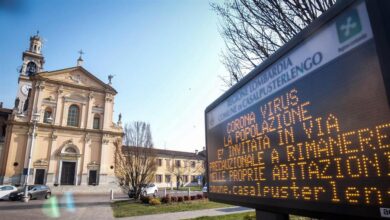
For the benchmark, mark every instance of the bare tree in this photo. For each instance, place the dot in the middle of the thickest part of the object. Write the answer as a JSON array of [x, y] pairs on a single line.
[[254, 29], [136, 160]]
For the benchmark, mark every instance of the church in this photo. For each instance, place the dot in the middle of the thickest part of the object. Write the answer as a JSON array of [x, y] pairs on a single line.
[[61, 126]]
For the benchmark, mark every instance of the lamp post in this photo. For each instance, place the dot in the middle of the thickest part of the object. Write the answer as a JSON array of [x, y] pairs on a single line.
[[35, 119]]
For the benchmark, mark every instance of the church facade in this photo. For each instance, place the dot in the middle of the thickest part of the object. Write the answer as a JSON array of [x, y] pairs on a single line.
[[61, 126]]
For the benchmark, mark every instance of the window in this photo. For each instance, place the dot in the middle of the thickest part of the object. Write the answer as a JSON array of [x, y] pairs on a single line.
[[192, 164], [193, 179], [47, 118], [185, 178], [96, 122], [70, 150], [177, 163], [167, 178], [31, 69], [159, 162], [73, 116], [158, 178], [5, 188], [167, 162]]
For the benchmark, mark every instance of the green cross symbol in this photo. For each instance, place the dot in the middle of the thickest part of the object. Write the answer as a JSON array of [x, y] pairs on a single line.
[[348, 25]]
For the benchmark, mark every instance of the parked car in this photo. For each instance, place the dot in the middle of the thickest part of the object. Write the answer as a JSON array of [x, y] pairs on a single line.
[[6, 190], [146, 189], [204, 189], [34, 192]]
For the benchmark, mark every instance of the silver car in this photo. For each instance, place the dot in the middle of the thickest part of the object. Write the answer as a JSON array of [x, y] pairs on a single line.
[[6, 190]]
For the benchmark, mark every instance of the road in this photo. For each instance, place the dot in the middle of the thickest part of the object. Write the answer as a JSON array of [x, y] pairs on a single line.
[[60, 207], [67, 206]]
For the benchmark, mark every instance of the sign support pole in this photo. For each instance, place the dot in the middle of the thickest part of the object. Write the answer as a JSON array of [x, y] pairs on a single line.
[[262, 215]]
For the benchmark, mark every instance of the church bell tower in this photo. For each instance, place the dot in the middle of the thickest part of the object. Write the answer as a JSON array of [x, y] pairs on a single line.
[[33, 61]]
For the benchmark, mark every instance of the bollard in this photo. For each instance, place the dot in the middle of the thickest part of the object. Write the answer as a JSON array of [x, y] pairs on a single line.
[[112, 194], [165, 192]]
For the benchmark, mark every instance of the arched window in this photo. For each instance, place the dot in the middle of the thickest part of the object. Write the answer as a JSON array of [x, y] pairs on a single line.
[[47, 117], [31, 69], [70, 150], [73, 116], [96, 121]]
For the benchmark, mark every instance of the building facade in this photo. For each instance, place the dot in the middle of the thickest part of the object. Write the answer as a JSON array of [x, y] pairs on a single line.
[[61, 126], [178, 168], [4, 115]]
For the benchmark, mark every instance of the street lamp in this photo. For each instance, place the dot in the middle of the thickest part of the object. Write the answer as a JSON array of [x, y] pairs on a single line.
[[35, 120]]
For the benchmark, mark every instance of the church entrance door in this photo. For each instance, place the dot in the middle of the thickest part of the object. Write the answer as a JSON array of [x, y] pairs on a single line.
[[39, 176], [68, 173], [92, 177]]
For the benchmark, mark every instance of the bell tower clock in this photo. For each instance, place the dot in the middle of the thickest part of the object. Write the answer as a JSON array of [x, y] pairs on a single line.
[[33, 61]]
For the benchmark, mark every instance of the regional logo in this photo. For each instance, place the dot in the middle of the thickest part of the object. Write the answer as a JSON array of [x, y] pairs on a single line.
[[348, 25]]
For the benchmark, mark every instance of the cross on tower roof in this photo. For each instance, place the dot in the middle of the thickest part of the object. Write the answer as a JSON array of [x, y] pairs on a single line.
[[80, 59], [81, 52]]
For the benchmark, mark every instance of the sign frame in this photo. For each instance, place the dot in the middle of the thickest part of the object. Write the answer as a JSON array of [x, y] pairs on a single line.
[[378, 14]]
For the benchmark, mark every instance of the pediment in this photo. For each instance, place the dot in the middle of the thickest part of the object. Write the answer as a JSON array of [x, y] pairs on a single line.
[[76, 76]]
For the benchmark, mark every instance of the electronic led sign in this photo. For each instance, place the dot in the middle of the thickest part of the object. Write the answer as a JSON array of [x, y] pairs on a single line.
[[311, 131]]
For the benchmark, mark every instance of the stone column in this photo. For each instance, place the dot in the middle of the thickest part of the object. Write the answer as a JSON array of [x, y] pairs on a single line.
[[59, 108], [58, 175], [83, 115], [63, 123], [89, 111], [37, 99], [85, 159], [51, 171], [107, 111], [104, 153]]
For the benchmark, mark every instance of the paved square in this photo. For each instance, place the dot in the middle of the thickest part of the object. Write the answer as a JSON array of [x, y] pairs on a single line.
[[73, 207]]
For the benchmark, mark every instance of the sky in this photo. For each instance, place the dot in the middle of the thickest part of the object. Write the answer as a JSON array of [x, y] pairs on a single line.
[[165, 55]]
